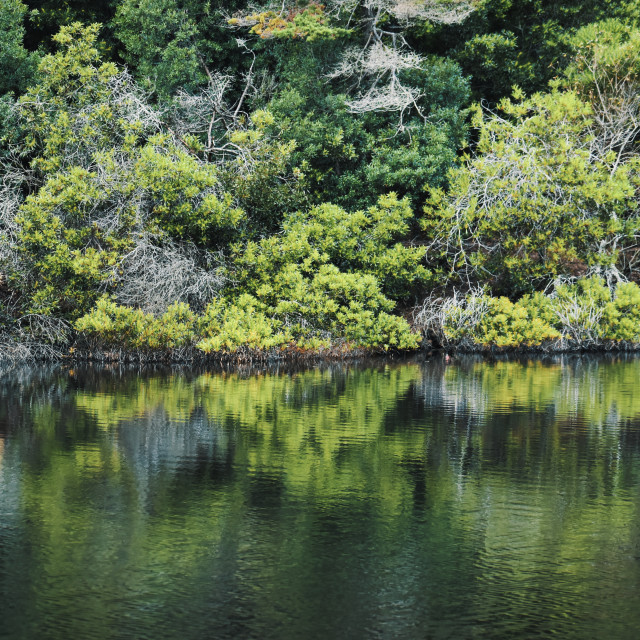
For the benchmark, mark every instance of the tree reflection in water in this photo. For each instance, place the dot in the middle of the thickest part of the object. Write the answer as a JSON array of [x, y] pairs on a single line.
[[416, 499]]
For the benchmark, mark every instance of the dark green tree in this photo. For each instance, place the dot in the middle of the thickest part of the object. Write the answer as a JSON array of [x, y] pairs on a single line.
[[17, 65], [177, 43]]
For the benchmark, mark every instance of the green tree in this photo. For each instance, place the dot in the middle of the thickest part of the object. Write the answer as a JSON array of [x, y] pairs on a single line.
[[17, 65], [109, 176], [46, 17], [515, 42], [351, 159], [536, 201], [176, 43]]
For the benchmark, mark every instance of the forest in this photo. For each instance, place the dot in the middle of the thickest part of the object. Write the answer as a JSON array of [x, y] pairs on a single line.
[[209, 178]]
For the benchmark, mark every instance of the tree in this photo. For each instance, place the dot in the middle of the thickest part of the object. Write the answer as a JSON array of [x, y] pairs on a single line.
[[17, 65], [515, 42], [350, 159], [46, 17], [176, 43], [374, 70], [352, 145], [108, 177], [539, 199], [605, 71]]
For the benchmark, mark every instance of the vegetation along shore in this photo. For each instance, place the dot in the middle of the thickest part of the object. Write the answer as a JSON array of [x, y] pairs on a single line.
[[230, 180]]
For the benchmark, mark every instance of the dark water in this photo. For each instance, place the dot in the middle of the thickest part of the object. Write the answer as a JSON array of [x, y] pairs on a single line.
[[410, 500]]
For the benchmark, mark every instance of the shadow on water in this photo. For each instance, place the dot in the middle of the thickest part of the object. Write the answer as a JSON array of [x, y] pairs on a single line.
[[377, 499]]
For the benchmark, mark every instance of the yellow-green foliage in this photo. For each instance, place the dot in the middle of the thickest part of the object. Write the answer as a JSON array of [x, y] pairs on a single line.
[[321, 283], [581, 314], [499, 322], [228, 327], [509, 324], [222, 327], [539, 305], [308, 23], [364, 241], [609, 317], [120, 326], [535, 201], [181, 193], [333, 308], [368, 241], [106, 177], [602, 51], [325, 277], [622, 315], [69, 81], [80, 222], [339, 306]]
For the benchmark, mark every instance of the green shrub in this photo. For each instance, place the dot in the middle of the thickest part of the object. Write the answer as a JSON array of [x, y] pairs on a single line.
[[489, 321], [367, 242], [106, 176], [120, 326], [508, 324], [582, 314], [228, 326], [330, 275], [621, 318], [535, 202]]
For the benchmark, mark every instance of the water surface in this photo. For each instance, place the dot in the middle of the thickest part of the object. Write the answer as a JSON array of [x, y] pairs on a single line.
[[381, 500]]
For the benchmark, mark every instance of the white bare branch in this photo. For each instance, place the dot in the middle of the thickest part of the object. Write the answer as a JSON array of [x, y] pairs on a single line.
[[442, 12], [153, 276], [452, 319], [390, 97]]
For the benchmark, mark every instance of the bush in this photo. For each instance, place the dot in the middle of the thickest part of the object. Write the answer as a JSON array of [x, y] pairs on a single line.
[[486, 321], [621, 318], [575, 316], [331, 275], [540, 199], [117, 326], [508, 324], [364, 241], [231, 326]]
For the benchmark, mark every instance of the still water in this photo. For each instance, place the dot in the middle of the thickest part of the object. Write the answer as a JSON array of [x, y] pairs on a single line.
[[416, 500]]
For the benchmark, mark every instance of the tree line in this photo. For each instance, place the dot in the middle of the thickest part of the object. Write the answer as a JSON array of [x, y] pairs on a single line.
[[190, 176]]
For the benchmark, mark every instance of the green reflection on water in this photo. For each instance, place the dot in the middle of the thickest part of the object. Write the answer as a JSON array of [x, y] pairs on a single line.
[[475, 499]]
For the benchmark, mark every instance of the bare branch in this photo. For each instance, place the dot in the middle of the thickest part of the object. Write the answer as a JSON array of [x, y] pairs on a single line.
[[152, 276]]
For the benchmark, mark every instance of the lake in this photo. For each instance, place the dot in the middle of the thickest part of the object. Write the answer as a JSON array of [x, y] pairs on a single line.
[[381, 499]]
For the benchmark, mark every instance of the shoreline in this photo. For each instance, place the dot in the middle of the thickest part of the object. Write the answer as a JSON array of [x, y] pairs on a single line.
[[26, 352]]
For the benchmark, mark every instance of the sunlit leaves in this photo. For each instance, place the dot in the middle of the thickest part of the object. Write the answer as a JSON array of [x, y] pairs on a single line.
[[537, 200]]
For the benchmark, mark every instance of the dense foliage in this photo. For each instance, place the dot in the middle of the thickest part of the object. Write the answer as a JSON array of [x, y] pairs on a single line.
[[584, 314], [285, 177]]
